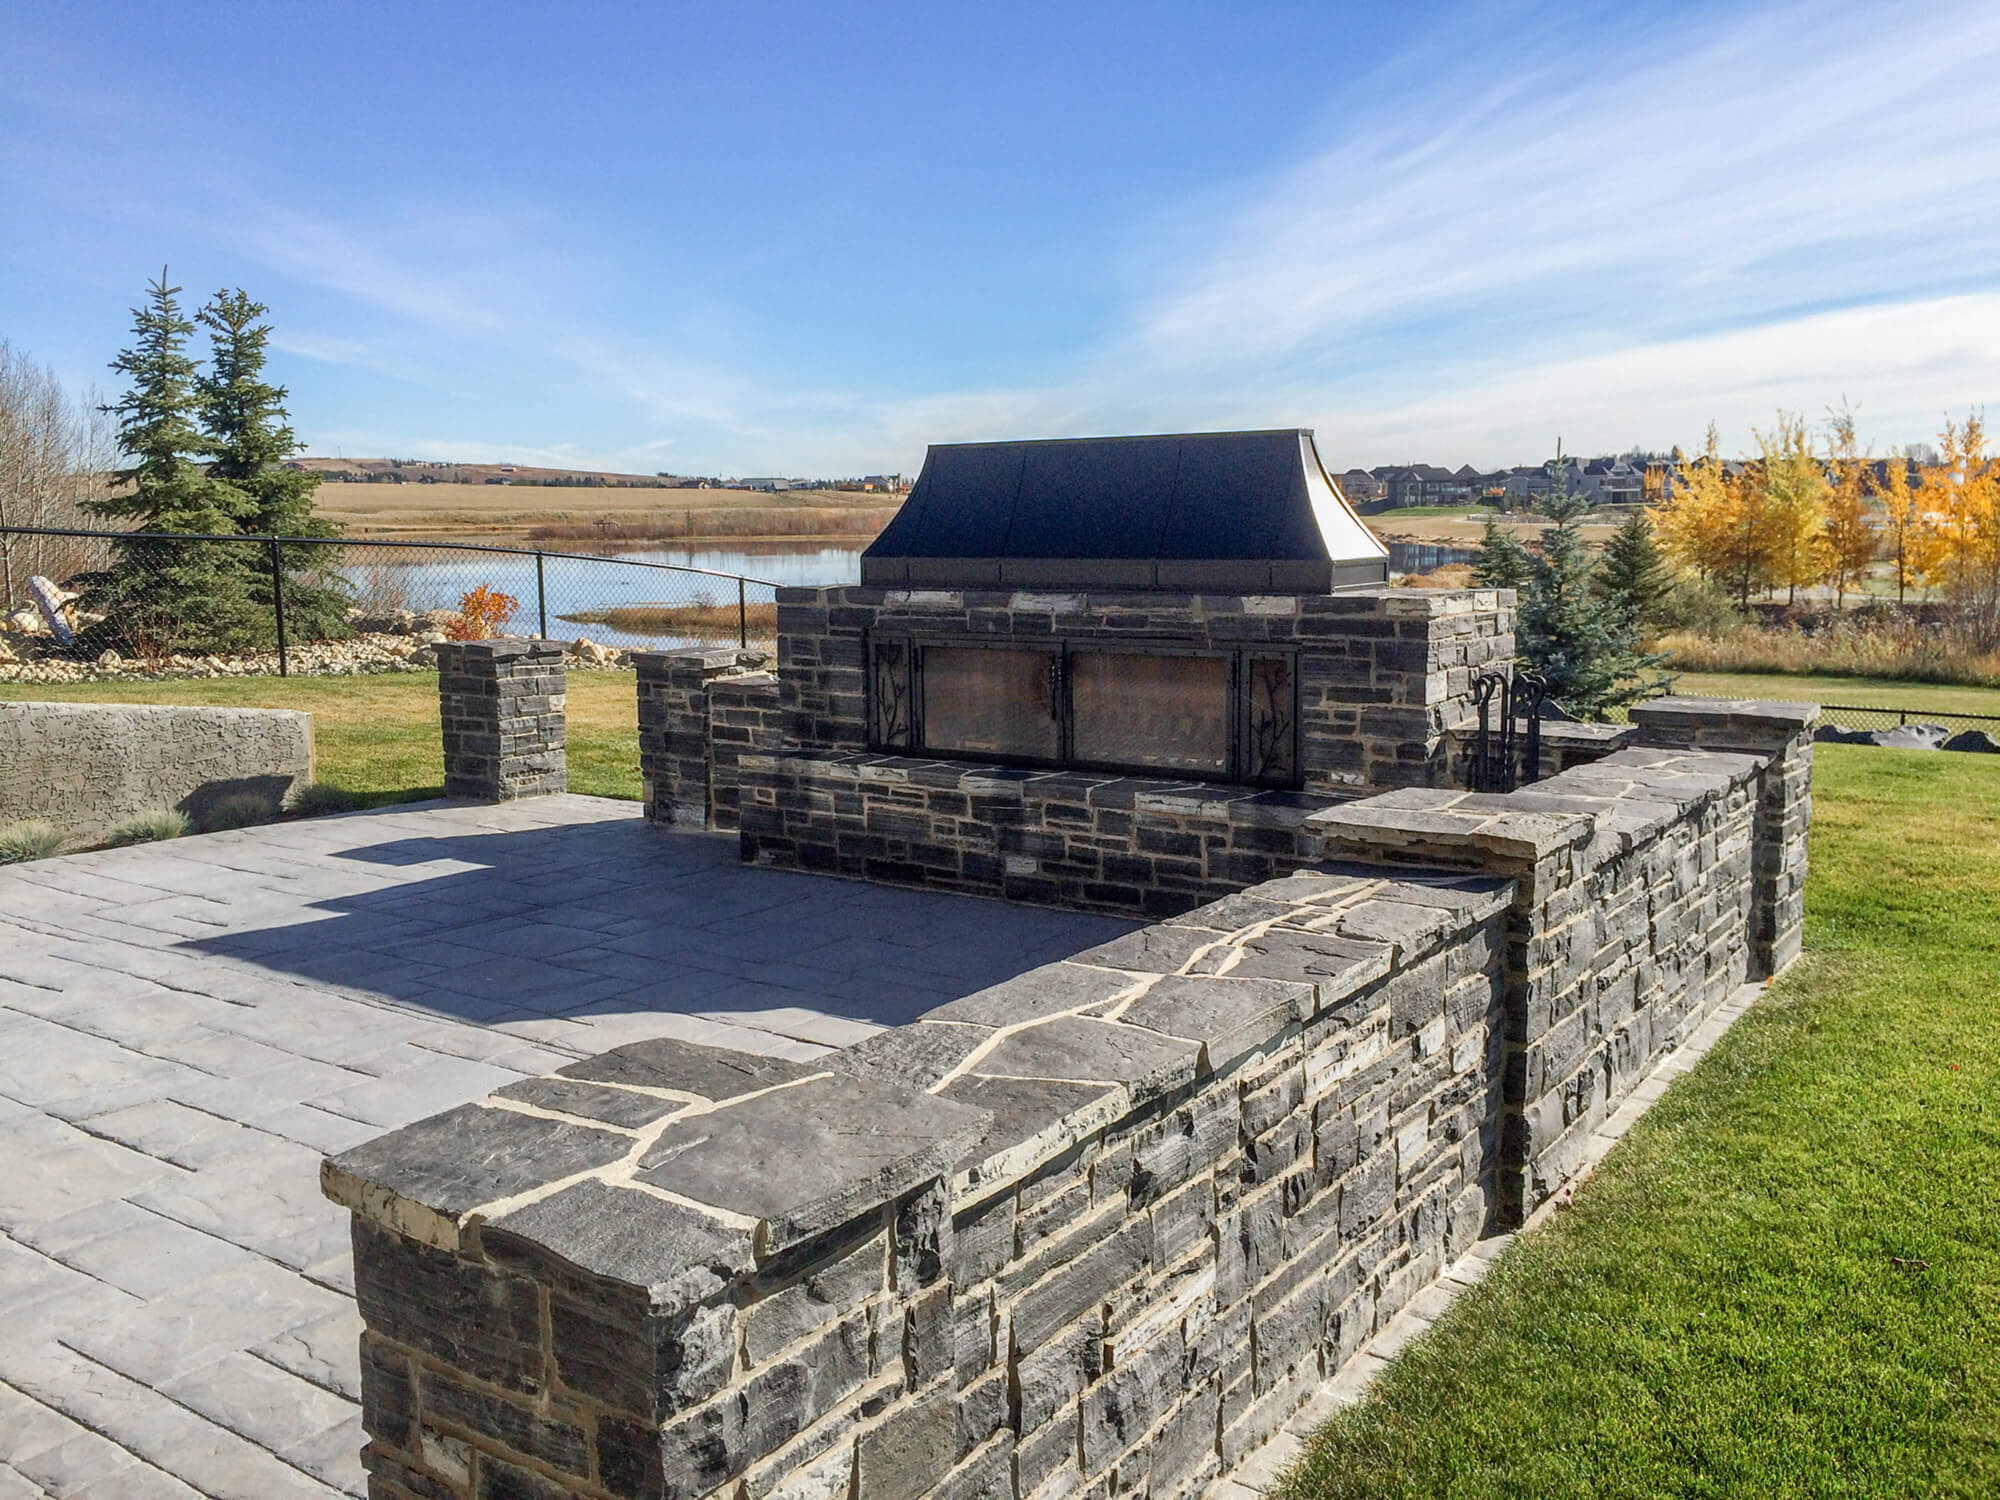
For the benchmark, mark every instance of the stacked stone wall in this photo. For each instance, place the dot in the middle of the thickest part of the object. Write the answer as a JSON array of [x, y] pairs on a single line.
[[1098, 1230], [679, 747], [502, 709], [1095, 842], [1649, 884], [1106, 1224]]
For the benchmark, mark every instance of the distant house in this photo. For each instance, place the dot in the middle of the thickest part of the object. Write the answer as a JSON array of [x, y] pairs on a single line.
[[1611, 481], [1420, 484], [767, 485], [1360, 487]]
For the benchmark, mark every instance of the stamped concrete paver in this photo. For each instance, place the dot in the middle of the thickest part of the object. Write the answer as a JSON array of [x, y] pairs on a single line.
[[186, 1028]]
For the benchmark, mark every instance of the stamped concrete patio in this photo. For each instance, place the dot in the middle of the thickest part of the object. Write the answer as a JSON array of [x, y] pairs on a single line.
[[185, 1028]]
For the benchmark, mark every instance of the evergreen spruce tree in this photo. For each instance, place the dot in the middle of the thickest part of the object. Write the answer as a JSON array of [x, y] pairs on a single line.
[[1581, 644], [249, 438], [160, 595], [1632, 574], [1502, 563]]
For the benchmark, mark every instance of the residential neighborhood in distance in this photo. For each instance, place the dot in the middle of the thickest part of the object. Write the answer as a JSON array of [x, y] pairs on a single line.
[[1627, 479]]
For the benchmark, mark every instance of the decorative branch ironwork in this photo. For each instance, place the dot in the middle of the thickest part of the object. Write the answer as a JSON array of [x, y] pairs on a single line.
[[891, 696], [1273, 738]]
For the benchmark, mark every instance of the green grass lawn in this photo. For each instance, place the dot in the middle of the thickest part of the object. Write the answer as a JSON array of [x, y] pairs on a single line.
[[378, 737], [1860, 692], [1785, 1280]]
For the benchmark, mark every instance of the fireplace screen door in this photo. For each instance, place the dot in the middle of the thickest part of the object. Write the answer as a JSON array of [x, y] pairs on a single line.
[[1204, 715], [1168, 713], [987, 700]]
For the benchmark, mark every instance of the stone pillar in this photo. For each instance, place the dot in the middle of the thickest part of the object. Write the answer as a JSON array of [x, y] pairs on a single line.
[[501, 704], [674, 752], [1782, 735]]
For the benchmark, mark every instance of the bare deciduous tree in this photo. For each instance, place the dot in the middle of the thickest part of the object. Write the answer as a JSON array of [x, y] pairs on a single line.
[[56, 452]]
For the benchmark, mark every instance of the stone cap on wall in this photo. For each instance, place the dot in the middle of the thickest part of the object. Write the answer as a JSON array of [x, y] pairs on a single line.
[[663, 1159], [1589, 811], [707, 658], [505, 648], [1749, 723]]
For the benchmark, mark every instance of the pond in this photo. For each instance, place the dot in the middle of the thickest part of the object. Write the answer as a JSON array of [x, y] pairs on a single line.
[[623, 596]]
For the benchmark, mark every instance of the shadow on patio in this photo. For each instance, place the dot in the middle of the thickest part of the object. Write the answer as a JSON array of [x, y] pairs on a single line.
[[585, 934]]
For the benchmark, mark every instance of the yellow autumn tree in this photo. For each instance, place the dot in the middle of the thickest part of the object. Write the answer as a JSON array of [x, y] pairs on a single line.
[[1961, 497], [1793, 504], [1700, 520], [1850, 543], [1908, 533]]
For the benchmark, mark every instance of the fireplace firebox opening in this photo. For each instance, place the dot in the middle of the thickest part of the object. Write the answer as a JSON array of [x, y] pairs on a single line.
[[1147, 707]]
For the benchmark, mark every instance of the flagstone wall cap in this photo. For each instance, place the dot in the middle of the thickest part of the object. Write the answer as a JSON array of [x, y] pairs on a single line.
[[1748, 711], [503, 649], [809, 1156], [625, 1235], [452, 1164], [1046, 991], [710, 1073]]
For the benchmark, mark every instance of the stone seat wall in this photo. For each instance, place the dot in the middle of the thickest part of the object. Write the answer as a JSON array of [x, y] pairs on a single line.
[[1099, 1229]]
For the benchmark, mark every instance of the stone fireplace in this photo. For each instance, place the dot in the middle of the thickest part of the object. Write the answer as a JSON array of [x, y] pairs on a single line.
[[1111, 673]]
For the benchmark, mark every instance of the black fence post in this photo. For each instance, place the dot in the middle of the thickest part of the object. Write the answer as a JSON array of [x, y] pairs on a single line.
[[742, 618], [278, 601], [541, 596]]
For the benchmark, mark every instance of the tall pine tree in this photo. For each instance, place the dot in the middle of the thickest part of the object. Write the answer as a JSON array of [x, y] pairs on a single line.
[[1632, 574], [166, 595], [1502, 562], [1583, 645], [249, 438]]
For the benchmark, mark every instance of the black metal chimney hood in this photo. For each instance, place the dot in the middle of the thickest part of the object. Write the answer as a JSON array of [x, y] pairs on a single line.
[[1224, 512]]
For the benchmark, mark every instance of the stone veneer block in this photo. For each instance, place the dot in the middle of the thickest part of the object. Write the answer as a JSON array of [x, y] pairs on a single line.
[[501, 704]]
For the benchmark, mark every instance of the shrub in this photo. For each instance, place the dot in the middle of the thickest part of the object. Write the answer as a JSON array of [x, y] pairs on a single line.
[[33, 839], [240, 810], [482, 614], [148, 828], [319, 798], [1695, 606]]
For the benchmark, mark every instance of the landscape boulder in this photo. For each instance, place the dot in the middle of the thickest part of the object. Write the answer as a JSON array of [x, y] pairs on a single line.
[[1979, 741], [1901, 737]]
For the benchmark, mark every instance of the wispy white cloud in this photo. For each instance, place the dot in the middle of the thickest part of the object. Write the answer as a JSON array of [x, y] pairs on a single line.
[[1703, 175], [1614, 235]]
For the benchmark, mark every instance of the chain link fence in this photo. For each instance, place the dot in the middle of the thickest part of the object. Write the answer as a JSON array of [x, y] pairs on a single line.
[[164, 603], [1874, 716]]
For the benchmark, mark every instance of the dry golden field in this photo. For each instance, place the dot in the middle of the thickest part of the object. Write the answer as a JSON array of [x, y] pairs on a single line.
[[488, 510], [1458, 531]]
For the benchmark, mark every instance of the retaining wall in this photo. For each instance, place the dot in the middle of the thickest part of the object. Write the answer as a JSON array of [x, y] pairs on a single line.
[[86, 767], [1097, 1230]]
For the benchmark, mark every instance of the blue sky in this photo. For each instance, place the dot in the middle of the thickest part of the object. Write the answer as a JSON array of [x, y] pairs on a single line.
[[764, 238]]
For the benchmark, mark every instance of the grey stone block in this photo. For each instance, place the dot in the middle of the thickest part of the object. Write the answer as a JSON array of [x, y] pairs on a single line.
[[806, 1158], [466, 1157], [1083, 1050], [619, 1234]]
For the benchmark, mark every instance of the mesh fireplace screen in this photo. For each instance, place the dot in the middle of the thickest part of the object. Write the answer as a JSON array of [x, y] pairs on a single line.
[[991, 701], [1170, 712]]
